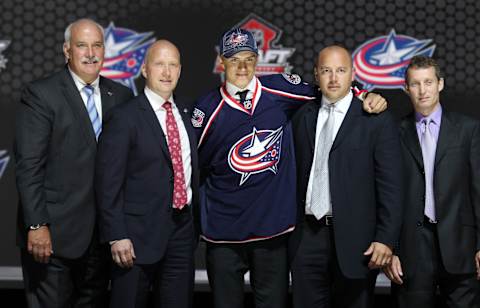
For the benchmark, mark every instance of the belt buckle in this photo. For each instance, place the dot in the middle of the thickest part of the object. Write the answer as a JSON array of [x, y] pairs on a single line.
[[328, 220]]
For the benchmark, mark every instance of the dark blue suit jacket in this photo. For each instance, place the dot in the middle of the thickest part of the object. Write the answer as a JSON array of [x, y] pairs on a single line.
[[365, 181], [134, 178]]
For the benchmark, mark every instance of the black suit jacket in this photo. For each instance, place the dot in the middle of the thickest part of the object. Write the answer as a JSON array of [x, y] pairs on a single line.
[[365, 181], [456, 189], [55, 150], [134, 178]]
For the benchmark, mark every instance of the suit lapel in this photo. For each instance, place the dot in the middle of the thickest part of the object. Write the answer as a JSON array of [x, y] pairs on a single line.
[[310, 122], [447, 137], [75, 101], [152, 120], [108, 100], [410, 139], [348, 123]]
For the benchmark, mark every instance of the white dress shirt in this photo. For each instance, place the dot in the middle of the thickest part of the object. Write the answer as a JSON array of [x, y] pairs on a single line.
[[80, 84], [156, 101], [341, 108]]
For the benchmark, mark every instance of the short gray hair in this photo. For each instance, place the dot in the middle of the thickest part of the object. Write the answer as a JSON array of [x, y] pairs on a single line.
[[68, 30]]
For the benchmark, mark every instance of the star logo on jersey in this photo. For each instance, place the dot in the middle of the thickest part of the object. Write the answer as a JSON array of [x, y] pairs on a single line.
[[272, 58], [125, 51], [256, 152], [4, 158], [3, 61], [381, 62]]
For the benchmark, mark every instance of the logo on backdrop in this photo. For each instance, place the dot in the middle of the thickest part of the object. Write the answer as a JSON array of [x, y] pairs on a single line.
[[272, 58], [125, 50], [381, 62], [256, 152], [3, 61], [4, 158]]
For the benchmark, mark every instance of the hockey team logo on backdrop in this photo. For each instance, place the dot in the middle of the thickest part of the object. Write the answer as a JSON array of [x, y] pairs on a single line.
[[256, 152], [125, 50], [272, 58], [3, 61], [4, 158], [381, 62]]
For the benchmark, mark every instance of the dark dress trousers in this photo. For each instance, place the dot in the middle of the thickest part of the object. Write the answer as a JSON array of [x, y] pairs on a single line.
[[366, 195], [441, 254], [55, 150], [134, 185]]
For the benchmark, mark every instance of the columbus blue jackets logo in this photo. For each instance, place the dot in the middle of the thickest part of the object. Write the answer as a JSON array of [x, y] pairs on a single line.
[[256, 152], [272, 58], [3, 61], [4, 158], [125, 50], [381, 62]]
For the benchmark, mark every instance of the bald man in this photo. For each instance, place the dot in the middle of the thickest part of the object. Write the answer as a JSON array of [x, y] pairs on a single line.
[[349, 191], [146, 185], [58, 121]]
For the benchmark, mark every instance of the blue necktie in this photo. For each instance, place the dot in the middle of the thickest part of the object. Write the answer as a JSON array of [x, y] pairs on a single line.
[[92, 111]]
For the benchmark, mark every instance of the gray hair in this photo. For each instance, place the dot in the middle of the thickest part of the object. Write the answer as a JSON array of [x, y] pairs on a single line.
[[68, 30]]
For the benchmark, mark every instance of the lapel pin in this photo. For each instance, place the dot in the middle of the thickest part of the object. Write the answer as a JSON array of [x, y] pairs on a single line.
[[109, 93]]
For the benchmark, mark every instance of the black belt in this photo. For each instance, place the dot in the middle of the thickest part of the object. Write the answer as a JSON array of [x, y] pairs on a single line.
[[326, 220], [428, 221]]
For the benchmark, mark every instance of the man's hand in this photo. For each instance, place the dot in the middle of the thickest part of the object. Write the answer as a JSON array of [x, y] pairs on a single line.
[[477, 263], [123, 253], [39, 244], [374, 103], [394, 270], [381, 255]]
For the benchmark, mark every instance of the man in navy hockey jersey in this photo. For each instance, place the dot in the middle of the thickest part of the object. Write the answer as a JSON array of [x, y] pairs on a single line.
[[248, 196]]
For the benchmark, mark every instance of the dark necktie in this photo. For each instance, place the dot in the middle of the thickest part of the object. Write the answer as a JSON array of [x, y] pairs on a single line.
[[175, 149], [243, 95]]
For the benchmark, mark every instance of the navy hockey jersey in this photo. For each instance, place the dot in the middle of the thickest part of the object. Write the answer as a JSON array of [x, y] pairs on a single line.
[[246, 153]]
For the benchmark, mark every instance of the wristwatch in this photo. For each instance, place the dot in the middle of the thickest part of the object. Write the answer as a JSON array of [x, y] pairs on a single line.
[[36, 227]]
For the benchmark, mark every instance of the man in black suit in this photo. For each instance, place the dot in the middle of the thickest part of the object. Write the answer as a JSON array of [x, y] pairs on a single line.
[[58, 121], [440, 239], [349, 192], [147, 183]]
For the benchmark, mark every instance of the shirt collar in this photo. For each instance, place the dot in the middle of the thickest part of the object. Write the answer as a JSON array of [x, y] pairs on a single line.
[[156, 101], [232, 89], [80, 84], [435, 116], [342, 104]]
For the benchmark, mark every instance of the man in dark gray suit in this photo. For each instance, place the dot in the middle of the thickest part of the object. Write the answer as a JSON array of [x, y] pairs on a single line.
[[440, 240], [58, 123]]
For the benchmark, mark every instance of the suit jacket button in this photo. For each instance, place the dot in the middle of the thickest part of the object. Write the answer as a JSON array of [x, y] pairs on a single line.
[[419, 224]]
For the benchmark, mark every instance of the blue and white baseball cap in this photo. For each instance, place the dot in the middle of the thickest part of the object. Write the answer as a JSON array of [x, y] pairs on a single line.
[[236, 40]]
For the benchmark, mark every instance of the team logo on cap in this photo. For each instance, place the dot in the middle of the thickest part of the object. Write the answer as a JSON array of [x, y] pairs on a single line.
[[235, 40], [3, 61], [4, 158], [272, 58], [381, 62], [125, 51], [256, 152]]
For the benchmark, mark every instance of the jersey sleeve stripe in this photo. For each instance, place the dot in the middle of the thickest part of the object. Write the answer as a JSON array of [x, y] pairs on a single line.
[[286, 94]]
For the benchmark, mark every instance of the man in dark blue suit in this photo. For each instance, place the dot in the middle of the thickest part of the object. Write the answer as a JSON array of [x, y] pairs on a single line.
[[147, 189], [58, 121], [440, 239], [349, 192]]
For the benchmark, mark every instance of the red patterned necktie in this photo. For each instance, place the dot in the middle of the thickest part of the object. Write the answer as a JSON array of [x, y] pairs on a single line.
[[175, 148]]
